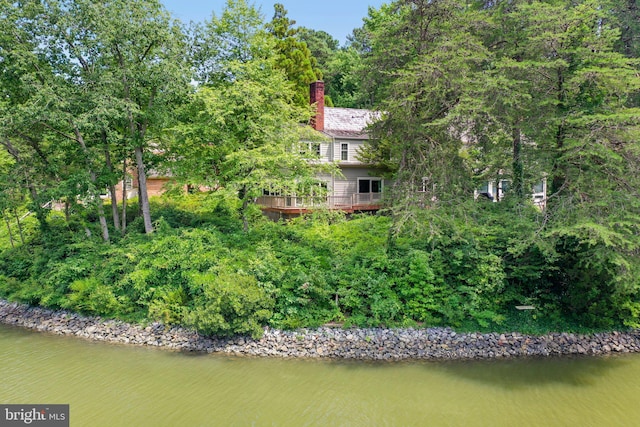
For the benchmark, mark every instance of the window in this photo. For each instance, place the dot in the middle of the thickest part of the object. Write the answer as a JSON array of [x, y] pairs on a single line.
[[310, 149], [503, 188], [426, 185], [323, 186], [344, 151], [484, 192], [104, 193], [539, 187], [369, 185]]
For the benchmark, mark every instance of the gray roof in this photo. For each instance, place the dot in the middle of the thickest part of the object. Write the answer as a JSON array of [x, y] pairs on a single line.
[[348, 123]]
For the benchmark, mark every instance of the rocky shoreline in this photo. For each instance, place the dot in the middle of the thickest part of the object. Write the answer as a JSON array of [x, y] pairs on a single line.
[[362, 344]]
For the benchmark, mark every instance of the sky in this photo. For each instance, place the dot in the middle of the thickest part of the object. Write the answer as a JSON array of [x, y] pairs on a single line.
[[336, 17]]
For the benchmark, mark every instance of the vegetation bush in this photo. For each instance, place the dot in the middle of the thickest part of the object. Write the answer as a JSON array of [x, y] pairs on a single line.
[[200, 269], [91, 297], [228, 303]]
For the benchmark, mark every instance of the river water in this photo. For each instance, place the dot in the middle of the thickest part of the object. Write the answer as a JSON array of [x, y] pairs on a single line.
[[112, 385]]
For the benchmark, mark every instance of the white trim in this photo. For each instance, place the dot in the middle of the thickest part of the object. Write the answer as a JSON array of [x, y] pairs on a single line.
[[371, 179], [344, 151]]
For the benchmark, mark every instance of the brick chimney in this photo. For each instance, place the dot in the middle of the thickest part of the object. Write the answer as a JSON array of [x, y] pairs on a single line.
[[316, 96]]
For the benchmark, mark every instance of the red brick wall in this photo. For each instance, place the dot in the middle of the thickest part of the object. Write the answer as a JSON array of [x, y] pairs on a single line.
[[316, 96]]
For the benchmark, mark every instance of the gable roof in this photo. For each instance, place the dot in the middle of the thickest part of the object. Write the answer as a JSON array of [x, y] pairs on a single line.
[[348, 123]]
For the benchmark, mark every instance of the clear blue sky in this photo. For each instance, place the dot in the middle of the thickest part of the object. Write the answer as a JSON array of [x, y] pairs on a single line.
[[336, 17]]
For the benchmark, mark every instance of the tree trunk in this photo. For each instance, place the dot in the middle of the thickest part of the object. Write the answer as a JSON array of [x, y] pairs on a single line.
[[139, 199], [38, 209], [9, 230], [137, 136], [559, 174], [144, 197], [15, 214], [67, 211], [114, 206], [92, 175], [112, 188], [103, 222], [245, 220], [399, 204], [243, 210], [123, 227], [518, 167], [558, 179]]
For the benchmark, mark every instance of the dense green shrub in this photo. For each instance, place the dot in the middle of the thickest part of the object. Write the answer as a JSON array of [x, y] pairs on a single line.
[[423, 289], [228, 303], [466, 266], [92, 297]]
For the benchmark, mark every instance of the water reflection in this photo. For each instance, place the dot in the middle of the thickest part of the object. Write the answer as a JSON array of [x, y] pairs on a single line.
[[577, 371]]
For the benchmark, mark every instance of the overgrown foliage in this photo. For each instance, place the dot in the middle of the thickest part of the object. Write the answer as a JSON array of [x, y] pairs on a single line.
[[200, 269]]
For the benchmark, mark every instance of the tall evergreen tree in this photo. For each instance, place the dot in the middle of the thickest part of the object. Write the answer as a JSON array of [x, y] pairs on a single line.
[[293, 55], [427, 75], [627, 19], [518, 88]]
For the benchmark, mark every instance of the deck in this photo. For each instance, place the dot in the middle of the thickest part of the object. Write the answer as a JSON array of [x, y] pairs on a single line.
[[294, 205]]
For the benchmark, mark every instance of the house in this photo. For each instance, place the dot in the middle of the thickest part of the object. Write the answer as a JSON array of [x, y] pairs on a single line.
[[156, 185], [496, 190], [357, 187]]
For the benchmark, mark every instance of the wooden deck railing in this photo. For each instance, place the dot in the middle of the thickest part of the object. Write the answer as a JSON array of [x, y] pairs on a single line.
[[354, 201]]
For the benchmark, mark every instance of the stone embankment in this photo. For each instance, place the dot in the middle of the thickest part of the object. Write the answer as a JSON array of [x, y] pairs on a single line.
[[365, 344]]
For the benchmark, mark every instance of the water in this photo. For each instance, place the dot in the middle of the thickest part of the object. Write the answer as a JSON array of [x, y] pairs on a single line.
[[109, 385]]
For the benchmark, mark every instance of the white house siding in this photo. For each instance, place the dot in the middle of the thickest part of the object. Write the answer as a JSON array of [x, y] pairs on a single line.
[[354, 146], [327, 179], [325, 152], [346, 186]]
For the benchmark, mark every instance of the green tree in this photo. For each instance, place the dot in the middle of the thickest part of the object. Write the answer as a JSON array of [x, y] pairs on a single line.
[[90, 83], [11, 196], [292, 55], [343, 79], [368, 41], [585, 97], [22, 71], [224, 39], [522, 89], [144, 49], [242, 130], [626, 14], [321, 44], [426, 76], [324, 48]]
